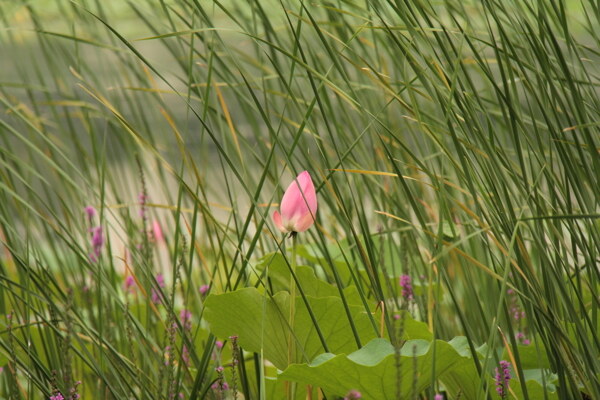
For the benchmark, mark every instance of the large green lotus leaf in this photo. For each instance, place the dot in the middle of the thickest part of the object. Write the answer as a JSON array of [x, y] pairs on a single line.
[[389, 273], [279, 277], [412, 329], [372, 369], [531, 357], [463, 378], [536, 391], [314, 254], [261, 323]]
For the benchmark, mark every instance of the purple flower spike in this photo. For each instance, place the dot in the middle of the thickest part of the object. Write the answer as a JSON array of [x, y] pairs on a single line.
[[204, 290], [129, 284], [97, 240], [407, 289], [502, 379], [91, 212]]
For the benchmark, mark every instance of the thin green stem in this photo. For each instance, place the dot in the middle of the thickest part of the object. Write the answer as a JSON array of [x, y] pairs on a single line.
[[291, 339]]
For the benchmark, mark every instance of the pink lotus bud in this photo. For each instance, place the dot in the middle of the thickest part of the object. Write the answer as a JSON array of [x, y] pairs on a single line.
[[157, 231], [298, 206]]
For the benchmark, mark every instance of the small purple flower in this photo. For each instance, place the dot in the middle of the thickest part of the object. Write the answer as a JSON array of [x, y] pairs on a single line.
[[438, 396], [520, 336], [57, 396], [73, 395], [97, 237], [220, 385], [515, 310], [219, 345], [217, 386], [502, 379], [407, 289], [353, 395], [97, 242], [203, 290], [129, 284], [91, 213]]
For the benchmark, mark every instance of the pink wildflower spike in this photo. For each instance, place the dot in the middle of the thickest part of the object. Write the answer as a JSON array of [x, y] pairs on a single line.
[[91, 212], [219, 345], [129, 284], [157, 232], [406, 285], [298, 206], [97, 243], [502, 379], [203, 290]]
